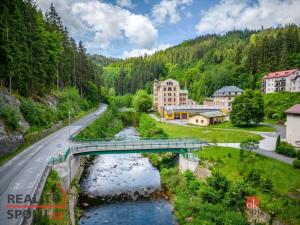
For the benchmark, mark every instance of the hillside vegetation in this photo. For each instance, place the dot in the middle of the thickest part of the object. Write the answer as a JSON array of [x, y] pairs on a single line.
[[277, 103], [209, 62]]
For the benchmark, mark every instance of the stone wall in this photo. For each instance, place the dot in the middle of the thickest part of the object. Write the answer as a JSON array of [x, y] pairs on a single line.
[[187, 164]]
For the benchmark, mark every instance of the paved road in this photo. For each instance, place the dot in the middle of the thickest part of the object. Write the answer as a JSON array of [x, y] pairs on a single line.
[[21, 174]]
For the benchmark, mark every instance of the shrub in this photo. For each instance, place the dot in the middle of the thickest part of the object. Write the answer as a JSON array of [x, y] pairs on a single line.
[[267, 185], [211, 195], [37, 114], [278, 142], [298, 154], [254, 177], [9, 116], [296, 163], [286, 149], [218, 181]]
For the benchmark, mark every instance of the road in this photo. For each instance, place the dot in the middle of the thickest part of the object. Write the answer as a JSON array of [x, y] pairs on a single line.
[[21, 174]]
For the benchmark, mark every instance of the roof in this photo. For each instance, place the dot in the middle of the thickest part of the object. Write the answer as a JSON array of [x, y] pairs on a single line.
[[211, 114], [183, 91], [226, 89], [187, 107], [294, 110], [277, 74]]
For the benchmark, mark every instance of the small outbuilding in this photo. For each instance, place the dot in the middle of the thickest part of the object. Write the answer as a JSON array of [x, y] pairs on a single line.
[[207, 118], [293, 125]]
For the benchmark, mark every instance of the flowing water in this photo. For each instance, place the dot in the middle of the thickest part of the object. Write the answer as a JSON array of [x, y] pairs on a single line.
[[127, 175]]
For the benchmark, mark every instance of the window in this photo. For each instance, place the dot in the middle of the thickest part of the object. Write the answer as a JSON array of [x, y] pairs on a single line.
[[169, 89], [196, 120], [174, 88], [165, 89], [202, 121]]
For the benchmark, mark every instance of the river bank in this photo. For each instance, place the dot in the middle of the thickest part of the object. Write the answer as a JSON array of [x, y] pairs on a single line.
[[124, 189]]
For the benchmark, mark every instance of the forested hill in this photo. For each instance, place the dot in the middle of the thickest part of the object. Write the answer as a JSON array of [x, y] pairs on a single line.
[[37, 53], [209, 62]]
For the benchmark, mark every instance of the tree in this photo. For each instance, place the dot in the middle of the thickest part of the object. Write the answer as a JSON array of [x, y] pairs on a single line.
[[247, 109], [92, 93], [142, 102], [278, 143]]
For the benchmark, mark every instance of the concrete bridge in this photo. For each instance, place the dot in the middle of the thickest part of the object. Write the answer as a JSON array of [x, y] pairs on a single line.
[[181, 146]]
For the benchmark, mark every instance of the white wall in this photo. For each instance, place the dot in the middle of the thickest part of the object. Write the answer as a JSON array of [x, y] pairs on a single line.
[[293, 129]]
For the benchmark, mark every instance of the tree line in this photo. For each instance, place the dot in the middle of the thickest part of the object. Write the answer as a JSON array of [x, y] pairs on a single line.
[[209, 62], [38, 54]]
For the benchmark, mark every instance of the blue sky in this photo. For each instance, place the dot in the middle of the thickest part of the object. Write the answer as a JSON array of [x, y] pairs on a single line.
[[126, 28]]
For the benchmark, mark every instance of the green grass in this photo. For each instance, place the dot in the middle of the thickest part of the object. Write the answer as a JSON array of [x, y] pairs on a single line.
[[259, 127], [207, 134], [284, 177]]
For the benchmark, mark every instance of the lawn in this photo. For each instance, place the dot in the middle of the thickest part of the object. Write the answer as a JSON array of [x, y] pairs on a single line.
[[283, 200], [284, 177], [207, 134], [259, 127]]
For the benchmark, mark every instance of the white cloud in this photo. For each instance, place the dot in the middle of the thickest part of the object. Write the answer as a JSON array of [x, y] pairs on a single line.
[[110, 23], [240, 14], [169, 10], [125, 4], [64, 11], [142, 51]]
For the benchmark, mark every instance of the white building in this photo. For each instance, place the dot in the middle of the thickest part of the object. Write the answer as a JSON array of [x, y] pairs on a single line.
[[288, 80], [293, 125]]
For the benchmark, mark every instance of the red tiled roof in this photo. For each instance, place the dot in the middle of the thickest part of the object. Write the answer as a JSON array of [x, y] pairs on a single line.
[[293, 110], [284, 73]]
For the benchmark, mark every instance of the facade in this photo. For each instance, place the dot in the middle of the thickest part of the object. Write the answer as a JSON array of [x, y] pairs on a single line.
[[184, 112], [207, 118], [293, 125], [288, 80], [224, 97], [168, 93]]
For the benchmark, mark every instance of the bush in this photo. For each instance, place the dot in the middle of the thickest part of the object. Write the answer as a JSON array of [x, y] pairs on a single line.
[[267, 185], [147, 128], [296, 163], [142, 102], [37, 114], [9, 116], [286, 149], [254, 177], [298, 154]]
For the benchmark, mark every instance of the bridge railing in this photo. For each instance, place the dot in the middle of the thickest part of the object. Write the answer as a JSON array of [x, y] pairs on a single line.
[[128, 144]]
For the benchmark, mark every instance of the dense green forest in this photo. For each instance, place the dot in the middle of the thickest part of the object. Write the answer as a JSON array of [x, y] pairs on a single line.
[[209, 62], [37, 53]]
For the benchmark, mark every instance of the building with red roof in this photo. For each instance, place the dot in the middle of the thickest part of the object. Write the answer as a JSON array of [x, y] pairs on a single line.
[[287, 80], [293, 125]]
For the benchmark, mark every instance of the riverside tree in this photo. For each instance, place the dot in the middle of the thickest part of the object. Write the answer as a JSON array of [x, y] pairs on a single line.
[[247, 109], [142, 102]]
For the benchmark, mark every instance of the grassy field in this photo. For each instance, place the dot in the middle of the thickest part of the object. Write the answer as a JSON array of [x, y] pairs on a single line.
[[259, 127], [207, 134], [284, 198], [284, 177]]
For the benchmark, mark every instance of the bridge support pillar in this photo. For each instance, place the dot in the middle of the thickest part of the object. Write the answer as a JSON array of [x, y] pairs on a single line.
[[68, 169], [187, 163]]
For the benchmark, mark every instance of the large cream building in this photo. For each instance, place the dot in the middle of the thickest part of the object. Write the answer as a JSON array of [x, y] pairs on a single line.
[[167, 93], [224, 97], [288, 80]]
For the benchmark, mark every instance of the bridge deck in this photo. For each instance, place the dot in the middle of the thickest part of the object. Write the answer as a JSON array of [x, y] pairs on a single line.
[[133, 146]]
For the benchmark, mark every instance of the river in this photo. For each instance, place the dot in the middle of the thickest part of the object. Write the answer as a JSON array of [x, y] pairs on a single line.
[[124, 184]]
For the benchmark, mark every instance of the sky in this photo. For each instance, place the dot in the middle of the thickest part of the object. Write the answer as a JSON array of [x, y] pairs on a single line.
[[129, 28]]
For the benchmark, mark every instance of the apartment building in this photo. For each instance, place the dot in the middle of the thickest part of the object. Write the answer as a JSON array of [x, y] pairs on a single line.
[[287, 80], [167, 93]]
